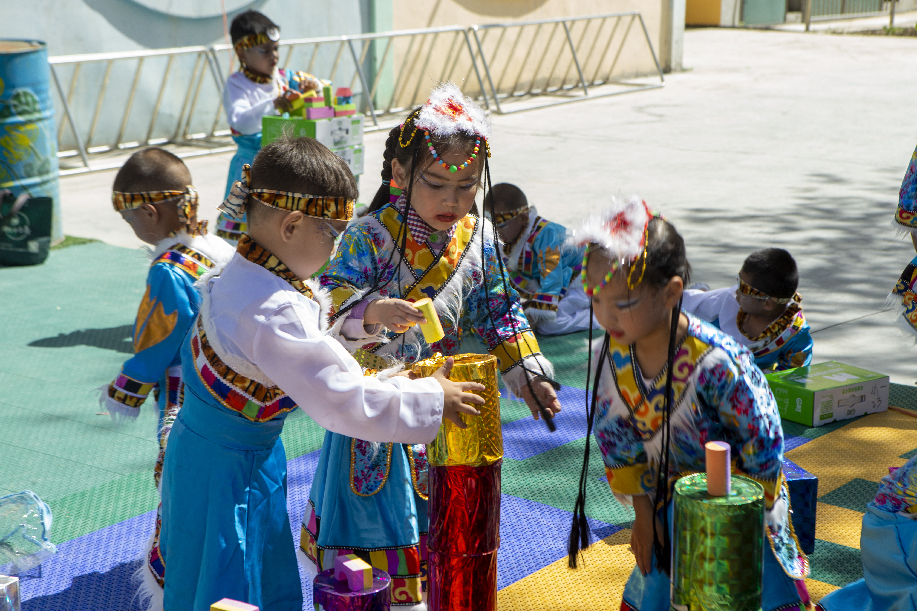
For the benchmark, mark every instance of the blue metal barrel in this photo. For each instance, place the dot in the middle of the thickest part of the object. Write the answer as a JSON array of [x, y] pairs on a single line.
[[28, 140]]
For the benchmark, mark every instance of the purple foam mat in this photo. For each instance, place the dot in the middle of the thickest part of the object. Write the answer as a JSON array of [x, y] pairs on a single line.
[[527, 437]]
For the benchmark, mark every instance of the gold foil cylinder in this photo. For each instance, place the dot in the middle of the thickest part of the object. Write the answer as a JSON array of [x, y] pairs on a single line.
[[432, 329], [482, 442]]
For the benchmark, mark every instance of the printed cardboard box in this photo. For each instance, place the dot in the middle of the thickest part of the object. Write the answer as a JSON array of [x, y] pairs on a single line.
[[333, 133], [353, 155], [822, 393]]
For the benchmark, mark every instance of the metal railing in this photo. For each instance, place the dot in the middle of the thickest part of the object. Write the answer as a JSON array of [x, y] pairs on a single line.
[[824, 10], [175, 95]]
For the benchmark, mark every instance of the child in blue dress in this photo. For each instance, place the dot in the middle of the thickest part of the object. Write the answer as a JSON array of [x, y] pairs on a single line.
[[544, 272], [636, 268], [371, 499], [153, 193], [252, 92], [257, 350], [762, 311], [903, 295], [888, 549]]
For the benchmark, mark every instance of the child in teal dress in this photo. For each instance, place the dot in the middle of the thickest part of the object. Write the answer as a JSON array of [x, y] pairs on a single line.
[[252, 92], [257, 350]]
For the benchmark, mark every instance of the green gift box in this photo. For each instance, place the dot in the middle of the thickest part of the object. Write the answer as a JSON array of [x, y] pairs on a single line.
[[825, 392]]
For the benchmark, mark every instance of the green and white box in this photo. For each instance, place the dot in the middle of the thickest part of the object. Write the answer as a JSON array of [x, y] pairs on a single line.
[[319, 129], [825, 392], [353, 155], [356, 129]]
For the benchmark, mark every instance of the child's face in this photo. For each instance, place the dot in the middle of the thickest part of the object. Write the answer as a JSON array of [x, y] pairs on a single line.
[[627, 315], [440, 197], [261, 59], [509, 231], [303, 243], [753, 305]]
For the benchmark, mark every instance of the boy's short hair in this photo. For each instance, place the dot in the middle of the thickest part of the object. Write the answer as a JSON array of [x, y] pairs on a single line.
[[250, 23], [505, 197], [300, 165], [772, 271], [152, 169]]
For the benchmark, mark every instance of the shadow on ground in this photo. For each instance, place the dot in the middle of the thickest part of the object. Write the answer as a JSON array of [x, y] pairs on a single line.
[[112, 338], [113, 589]]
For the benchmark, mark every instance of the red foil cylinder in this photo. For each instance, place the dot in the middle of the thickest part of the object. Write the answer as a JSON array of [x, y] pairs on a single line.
[[464, 537]]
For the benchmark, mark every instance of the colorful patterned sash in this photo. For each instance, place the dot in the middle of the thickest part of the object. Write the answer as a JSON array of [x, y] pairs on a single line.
[[185, 258]]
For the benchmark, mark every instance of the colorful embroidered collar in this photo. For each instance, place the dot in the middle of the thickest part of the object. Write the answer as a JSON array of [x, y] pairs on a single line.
[[258, 255], [775, 328], [254, 77]]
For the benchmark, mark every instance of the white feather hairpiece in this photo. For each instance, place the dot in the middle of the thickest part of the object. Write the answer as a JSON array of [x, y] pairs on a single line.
[[619, 230], [449, 111]]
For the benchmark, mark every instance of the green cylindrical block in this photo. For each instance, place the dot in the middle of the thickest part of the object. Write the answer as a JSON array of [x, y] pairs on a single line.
[[718, 546]]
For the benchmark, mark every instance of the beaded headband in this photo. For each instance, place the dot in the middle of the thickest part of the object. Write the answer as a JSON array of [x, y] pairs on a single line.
[[750, 291], [622, 232], [322, 207], [186, 202], [447, 113], [253, 40]]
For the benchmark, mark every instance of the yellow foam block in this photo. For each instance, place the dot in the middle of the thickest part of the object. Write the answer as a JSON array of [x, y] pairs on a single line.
[[232, 605], [432, 329]]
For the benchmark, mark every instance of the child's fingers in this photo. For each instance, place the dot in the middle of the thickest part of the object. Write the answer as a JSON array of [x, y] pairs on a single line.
[[470, 397], [446, 369], [472, 387], [456, 420], [468, 409]]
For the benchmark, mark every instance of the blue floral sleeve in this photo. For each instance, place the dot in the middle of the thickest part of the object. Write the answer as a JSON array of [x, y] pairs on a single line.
[[906, 213]]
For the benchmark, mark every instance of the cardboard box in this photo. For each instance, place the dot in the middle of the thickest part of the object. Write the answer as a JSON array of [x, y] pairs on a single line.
[[804, 501], [353, 155], [825, 392], [356, 130]]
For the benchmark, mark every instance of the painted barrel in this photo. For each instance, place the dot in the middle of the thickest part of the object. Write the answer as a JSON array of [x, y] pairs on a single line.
[[28, 139]]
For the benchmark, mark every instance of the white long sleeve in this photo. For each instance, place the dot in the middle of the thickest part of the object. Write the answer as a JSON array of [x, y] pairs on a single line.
[[246, 102], [710, 305], [265, 329]]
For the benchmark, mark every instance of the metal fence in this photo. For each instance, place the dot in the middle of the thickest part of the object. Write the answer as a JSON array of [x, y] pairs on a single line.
[[175, 95], [822, 10]]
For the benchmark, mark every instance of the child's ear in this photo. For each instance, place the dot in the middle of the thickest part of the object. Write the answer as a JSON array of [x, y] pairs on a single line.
[[673, 292], [293, 226], [151, 212], [400, 174]]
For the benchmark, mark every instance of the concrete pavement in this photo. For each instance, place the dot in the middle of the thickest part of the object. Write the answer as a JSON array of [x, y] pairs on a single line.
[[772, 138]]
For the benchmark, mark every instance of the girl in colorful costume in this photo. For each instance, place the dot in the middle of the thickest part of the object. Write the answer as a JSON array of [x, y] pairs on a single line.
[[888, 549], [544, 272], [665, 384], [906, 223], [153, 193], [253, 92], [371, 499], [257, 349]]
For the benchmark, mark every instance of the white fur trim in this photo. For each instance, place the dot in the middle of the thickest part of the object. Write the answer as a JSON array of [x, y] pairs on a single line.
[[148, 591], [471, 120], [623, 243], [323, 298], [214, 248], [901, 230], [536, 316], [119, 412], [536, 364], [893, 302]]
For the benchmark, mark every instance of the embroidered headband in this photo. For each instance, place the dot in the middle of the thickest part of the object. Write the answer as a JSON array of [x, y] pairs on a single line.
[[187, 204], [448, 112], [750, 291], [622, 232], [322, 207], [254, 40], [502, 218]]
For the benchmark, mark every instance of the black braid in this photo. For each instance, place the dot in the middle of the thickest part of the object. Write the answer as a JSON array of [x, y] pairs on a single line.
[[381, 199]]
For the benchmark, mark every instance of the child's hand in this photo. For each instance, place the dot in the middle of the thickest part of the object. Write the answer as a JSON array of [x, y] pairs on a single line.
[[310, 84], [395, 314], [282, 104], [545, 392], [458, 395], [641, 536]]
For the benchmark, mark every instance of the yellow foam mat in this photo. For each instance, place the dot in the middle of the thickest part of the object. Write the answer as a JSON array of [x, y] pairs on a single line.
[[838, 525], [863, 449], [596, 586]]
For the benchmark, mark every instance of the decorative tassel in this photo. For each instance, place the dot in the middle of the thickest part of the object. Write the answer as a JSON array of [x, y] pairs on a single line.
[[234, 204]]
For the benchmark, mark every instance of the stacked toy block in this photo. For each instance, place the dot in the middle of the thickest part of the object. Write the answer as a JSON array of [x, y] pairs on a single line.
[[803, 499], [331, 118]]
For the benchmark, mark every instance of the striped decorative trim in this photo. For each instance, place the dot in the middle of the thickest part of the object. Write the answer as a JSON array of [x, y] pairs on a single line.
[[250, 249], [154, 561], [235, 392], [128, 391], [186, 259]]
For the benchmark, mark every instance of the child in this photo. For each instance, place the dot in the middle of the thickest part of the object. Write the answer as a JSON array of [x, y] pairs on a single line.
[[257, 349], [906, 222], [540, 266], [761, 312], [888, 548], [635, 270], [153, 193], [371, 499], [253, 92]]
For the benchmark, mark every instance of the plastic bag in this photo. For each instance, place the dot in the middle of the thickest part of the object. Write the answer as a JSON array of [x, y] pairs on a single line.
[[25, 531]]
